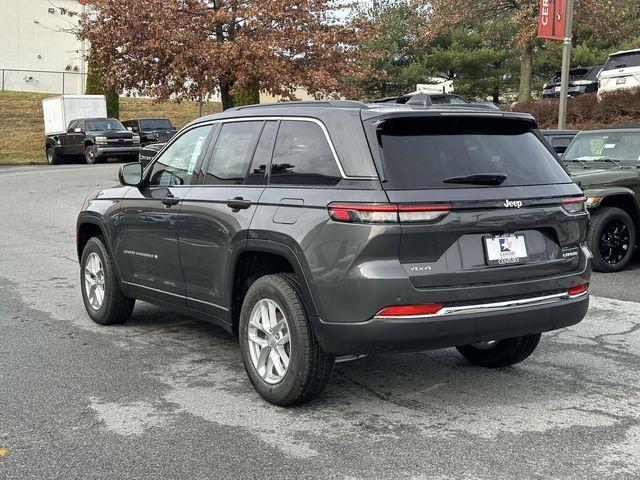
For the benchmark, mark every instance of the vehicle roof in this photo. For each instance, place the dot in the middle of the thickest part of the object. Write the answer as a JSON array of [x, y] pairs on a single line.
[[554, 132], [622, 52], [97, 118], [146, 118], [326, 109], [623, 128]]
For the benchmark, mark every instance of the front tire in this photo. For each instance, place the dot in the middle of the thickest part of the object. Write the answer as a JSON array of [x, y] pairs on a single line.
[[501, 353], [91, 155], [103, 298], [281, 355], [611, 238]]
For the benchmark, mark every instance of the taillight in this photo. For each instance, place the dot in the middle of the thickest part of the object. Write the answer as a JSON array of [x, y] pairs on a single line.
[[578, 289], [386, 213], [410, 310], [574, 204]]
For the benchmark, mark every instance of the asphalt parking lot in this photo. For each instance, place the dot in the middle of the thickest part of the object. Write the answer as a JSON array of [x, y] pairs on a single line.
[[165, 396]]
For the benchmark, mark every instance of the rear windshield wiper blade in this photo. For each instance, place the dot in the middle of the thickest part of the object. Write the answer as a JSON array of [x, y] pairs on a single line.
[[478, 179]]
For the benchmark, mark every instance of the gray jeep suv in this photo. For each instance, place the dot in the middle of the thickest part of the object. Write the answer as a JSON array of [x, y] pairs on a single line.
[[316, 230]]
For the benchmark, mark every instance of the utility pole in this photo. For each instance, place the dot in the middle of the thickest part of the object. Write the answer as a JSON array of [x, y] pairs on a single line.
[[566, 63]]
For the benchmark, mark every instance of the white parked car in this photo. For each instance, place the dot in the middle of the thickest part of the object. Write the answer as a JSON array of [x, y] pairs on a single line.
[[622, 71]]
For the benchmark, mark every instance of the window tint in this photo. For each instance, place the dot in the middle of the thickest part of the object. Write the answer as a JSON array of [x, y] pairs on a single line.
[[262, 158], [233, 152], [423, 152], [302, 156], [178, 161]]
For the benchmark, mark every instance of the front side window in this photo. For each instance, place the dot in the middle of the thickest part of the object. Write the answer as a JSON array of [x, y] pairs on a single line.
[[233, 152], [302, 156], [178, 161]]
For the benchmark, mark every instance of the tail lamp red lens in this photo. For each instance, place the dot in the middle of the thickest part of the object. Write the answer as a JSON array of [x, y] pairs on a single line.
[[386, 212], [410, 310], [578, 289], [574, 204]]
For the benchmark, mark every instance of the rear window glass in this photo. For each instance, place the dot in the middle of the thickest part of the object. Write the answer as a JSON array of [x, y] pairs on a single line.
[[622, 61], [424, 152]]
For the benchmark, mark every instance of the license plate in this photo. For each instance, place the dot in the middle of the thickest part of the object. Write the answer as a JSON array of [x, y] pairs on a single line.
[[506, 250], [557, 89], [622, 80]]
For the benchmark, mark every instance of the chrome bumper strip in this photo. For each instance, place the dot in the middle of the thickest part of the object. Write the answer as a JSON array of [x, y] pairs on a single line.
[[491, 307]]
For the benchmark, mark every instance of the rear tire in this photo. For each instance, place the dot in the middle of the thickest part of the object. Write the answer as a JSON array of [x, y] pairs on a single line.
[[53, 157], [601, 239], [111, 306], [503, 353], [308, 369]]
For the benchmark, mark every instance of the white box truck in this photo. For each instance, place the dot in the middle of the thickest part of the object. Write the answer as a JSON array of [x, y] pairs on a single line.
[[59, 111]]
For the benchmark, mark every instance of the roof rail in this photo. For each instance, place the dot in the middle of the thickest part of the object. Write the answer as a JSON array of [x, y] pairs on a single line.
[[312, 103]]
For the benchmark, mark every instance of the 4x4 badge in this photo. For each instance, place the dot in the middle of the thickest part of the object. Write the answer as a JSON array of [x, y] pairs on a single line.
[[512, 203]]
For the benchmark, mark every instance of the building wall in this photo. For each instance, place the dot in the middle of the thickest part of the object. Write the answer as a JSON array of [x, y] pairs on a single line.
[[35, 36]]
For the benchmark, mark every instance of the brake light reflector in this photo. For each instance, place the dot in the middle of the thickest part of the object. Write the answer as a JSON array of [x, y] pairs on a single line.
[[574, 204], [386, 212], [410, 310], [578, 289]]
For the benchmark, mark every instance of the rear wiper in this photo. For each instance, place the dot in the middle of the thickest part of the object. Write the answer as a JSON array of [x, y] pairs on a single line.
[[478, 179]]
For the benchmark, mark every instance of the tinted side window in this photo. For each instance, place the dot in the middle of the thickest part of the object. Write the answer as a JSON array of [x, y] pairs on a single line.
[[177, 162], [302, 156], [233, 152], [262, 158]]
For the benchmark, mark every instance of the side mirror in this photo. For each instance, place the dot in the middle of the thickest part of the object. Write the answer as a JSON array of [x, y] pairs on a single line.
[[77, 130], [130, 174]]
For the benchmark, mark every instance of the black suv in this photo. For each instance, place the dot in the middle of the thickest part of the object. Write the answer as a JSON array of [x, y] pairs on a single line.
[[94, 139], [322, 229], [151, 130]]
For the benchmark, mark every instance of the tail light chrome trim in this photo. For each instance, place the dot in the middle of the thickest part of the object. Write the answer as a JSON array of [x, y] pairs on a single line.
[[495, 306], [387, 212]]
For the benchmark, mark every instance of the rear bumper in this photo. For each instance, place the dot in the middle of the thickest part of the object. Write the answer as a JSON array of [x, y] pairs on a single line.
[[454, 327], [126, 150]]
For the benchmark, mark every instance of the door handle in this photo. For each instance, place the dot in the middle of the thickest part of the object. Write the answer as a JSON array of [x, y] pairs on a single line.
[[170, 200], [238, 203]]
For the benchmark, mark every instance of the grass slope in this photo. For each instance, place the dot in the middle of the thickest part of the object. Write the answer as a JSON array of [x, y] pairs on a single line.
[[22, 125]]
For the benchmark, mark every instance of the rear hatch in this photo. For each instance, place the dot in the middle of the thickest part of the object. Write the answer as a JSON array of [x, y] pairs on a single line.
[[621, 71], [508, 210]]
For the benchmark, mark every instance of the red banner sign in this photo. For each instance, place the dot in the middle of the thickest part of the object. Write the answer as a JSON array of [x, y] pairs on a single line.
[[551, 20]]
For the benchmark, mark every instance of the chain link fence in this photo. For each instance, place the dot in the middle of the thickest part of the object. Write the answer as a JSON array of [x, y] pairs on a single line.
[[43, 81]]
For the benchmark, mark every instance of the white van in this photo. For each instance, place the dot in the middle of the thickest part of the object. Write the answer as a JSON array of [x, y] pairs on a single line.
[[622, 71]]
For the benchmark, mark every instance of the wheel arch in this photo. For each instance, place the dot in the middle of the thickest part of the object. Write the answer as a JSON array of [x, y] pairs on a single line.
[[263, 257], [622, 198], [89, 225]]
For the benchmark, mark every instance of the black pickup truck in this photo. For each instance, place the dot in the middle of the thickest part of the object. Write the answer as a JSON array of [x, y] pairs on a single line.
[[95, 140]]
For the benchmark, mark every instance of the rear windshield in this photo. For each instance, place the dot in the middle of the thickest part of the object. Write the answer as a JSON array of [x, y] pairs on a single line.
[[424, 152], [155, 124], [622, 61]]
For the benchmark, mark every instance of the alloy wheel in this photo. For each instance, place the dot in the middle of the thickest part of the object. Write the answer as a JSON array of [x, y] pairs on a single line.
[[269, 341], [94, 281], [614, 241]]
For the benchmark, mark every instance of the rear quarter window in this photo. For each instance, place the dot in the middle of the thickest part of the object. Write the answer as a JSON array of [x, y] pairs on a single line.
[[423, 152]]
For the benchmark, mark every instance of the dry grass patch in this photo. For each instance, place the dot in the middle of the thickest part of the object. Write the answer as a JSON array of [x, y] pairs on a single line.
[[22, 125]]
